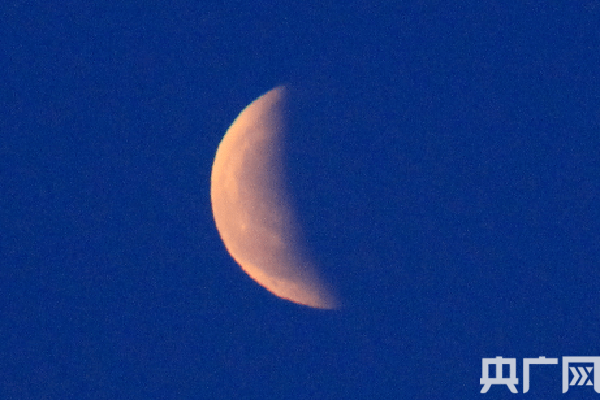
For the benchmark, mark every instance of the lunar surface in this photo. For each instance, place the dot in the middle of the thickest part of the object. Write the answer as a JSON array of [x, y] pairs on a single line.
[[253, 210]]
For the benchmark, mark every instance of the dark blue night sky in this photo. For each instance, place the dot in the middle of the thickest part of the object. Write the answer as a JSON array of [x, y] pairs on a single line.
[[444, 159]]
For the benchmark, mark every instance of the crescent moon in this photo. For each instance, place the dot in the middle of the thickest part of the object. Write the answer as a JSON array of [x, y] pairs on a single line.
[[252, 207]]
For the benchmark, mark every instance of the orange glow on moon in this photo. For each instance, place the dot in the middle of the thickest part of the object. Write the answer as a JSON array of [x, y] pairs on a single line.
[[252, 208]]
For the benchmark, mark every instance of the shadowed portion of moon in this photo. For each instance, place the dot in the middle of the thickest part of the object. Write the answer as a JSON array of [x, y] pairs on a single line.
[[253, 210]]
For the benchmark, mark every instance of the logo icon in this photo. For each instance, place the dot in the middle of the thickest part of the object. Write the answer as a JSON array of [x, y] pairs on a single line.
[[582, 374], [576, 371], [511, 381]]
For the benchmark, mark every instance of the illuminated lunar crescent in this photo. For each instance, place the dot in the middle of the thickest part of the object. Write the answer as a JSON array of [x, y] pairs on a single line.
[[252, 207]]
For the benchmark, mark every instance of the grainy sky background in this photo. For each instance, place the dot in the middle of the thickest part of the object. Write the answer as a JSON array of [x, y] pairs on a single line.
[[445, 160]]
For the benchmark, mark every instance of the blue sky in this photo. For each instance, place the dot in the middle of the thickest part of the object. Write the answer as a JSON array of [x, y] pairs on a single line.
[[443, 159]]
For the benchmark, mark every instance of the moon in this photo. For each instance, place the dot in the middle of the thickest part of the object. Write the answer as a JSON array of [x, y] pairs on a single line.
[[252, 205]]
